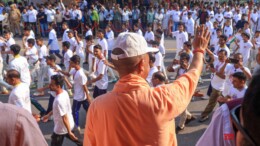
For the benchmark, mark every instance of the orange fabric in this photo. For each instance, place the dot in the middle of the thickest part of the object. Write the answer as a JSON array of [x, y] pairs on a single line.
[[133, 114]]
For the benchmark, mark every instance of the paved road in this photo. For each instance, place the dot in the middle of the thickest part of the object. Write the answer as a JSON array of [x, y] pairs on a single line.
[[188, 137]]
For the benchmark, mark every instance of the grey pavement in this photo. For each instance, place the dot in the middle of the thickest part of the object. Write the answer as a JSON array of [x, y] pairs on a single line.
[[188, 137]]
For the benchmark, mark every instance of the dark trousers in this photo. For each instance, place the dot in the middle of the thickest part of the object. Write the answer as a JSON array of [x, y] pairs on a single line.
[[75, 109], [97, 92], [57, 53], [37, 105], [57, 140], [34, 27], [51, 100]]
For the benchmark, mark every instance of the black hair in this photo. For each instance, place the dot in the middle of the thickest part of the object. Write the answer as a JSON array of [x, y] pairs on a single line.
[[39, 38], [222, 50], [59, 80], [151, 57], [75, 59], [15, 48], [6, 31], [31, 41], [98, 47], [188, 44], [223, 37], [89, 38], [185, 56], [66, 44], [12, 73], [27, 28], [240, 76], [160, 76]]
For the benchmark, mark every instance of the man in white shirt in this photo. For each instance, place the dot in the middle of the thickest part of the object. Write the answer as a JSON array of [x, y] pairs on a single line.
[[176, 18], [152, 70], [222, 45], [81, 93], [190, 25], [253, 21], [228, 15], [101, 79], [217, 82], [72, 40], [149, 35], [20, 94], [228, 29], [219, 18], [238, 88], [110, 39], [32, 18], [31, 54], [50, 13], [138, 30], [65, 36], [181, 37], [62, 116], [75, 17]]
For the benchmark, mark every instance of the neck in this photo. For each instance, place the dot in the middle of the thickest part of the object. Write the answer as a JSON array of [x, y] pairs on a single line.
[[241, 88], [100, 57], [18, 82], [58, 91], [53, 65], [77, 67]]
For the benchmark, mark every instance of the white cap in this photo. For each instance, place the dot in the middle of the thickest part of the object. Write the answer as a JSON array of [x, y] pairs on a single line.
[[132, 44]]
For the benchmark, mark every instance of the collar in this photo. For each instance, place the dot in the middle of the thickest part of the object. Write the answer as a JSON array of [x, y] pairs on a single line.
[[17, 56], [130, 82]]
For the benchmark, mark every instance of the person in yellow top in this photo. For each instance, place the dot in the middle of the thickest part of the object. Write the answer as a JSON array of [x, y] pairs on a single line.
[[133, 113]]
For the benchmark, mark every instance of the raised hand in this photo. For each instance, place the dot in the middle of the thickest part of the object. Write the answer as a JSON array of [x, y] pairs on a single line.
[[201, 38]]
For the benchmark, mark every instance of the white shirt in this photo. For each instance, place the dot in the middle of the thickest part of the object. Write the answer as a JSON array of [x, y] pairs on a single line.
[[234, 93], [32, 55], [32, 15], [158, 17], [237, 17], [229, 71], [79, 79], [101, 68], [67, 55], [181, 37], [76, 14], [65, 36], [209, 25], [110, 39], [162, 49], [20, 96], [228, 31], [104, 45], [89, 32], [244, 48], [158, 59], [73, 43], [61, 106], [52, 36], [153, 70], [149, 36], [52, 72], [42, 52], [125, 15], [228, 15], [218, 48], [50, 15], [219, 17], [254, 17], [190, 26], [176, 15], [217, 82], [80, 50], [139, 32], [9, 43]]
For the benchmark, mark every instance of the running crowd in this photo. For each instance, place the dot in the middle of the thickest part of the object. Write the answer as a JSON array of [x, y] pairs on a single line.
[[220, 39]]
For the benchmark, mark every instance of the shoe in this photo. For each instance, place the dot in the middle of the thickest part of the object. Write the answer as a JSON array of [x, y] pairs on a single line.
[[203, 119], [191, 119], [38, 94], [205, 97], [198, 94], [179, 129]]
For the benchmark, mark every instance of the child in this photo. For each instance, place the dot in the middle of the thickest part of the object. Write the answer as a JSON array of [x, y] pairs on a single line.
[[228, 29], [153, 68], [79, 48], [42, 71], [209, 24], [187, 49], [90, 51], [149, 35], [72, 41], [66, 61], [190, 24]]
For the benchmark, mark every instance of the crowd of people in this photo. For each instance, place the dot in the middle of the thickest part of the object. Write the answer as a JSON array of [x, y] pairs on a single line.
[[92, 45]]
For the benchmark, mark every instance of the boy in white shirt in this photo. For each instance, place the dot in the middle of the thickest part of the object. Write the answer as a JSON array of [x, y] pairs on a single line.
[[65, 36], [31, 54], [137, 29], [90, 51], [110, 39], [62, 115], [181, 37], [209, 24], [101, 79], [238, 88], [8, 40], [81, 93], [53, 41], [42, 71], [228, 29], [72, 40], [79, 48], [244, 48], [88, 30], [153, 68], [158, 56], [190, 24], [149, 35], [219, 18], [66, 60], [20, 94]]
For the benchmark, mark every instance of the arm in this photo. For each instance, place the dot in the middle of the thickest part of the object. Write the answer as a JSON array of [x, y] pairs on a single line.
[[65, 120], [211, 55], [87, 93], [95, 79]]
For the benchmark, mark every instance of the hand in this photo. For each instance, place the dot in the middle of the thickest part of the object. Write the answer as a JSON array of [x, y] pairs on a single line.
[[170, 69], [72, 136], [106, 62], [40, 90], [201, 38], [76, 32], [227, 61], [45, 118]]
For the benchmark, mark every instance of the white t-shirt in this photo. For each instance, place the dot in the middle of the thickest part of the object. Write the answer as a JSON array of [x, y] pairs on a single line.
[[219, 17], [52, 36], [32, 15], [235, 93], [80, 50], [61, 106], [181, 37], [89, 32], [67, 55], [176, 15], [73, 43], [228, 15], [101, 68], [20, 96], [209, 25], [149, 36], [9, 43], [158, 59], [190, 26], [32, 55], [65, 36], [218, 48], [244, 48], [79, 79], [52, 72], [139, 32], [110, 39], [150, 75], [42, 52], [104, 45], [217, 82], [228, 31], [50, 15], [20, 64]]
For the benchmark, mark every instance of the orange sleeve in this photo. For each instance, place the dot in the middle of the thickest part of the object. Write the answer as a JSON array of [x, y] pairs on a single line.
[[180, 92], [89, 138]]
